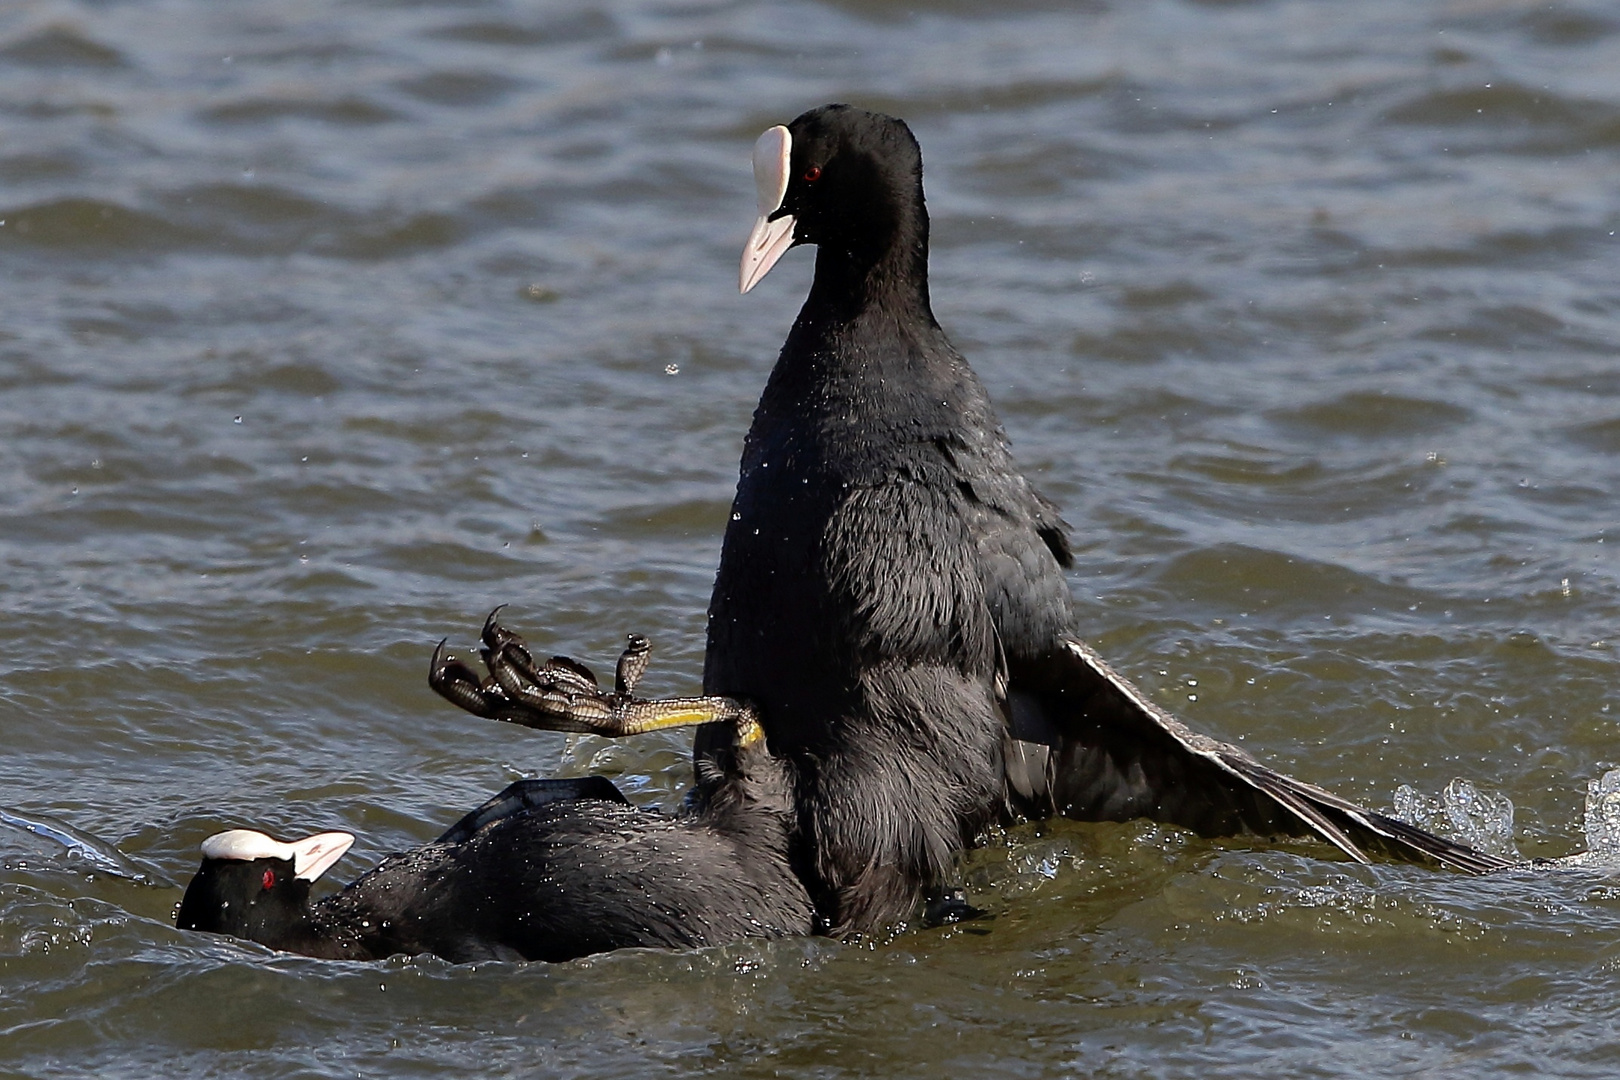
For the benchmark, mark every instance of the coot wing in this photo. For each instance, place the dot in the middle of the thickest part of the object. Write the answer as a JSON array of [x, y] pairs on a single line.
[[525, 795], [1084, 742]]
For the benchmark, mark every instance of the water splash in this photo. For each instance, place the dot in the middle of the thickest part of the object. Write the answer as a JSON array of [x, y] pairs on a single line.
[[83, 848], [1602, 826], [1485, 822], [1603, 817], [1463, 813]]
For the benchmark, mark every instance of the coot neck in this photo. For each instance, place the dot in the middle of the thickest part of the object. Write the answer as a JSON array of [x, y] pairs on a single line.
[[316, 933], [874, 270], [321, 929]]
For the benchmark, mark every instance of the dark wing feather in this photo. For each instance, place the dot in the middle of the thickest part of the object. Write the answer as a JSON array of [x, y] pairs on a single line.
[[525, 795], [1111, 754]]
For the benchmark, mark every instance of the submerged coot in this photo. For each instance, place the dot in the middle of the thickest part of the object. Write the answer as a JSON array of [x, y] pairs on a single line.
[[891, 592], [546, 870]]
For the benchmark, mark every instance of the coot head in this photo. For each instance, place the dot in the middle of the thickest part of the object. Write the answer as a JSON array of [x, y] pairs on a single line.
[[251, 886], [842, 178]]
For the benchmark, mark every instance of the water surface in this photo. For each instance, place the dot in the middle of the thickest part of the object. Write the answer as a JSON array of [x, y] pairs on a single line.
[[326, 327]]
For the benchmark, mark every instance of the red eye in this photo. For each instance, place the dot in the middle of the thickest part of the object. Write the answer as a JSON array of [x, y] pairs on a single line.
[[812, 174], [269, 880]]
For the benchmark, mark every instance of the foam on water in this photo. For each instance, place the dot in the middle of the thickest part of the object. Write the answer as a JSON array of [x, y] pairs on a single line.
[[1603, 819], [1485, 822], [1464, 813]]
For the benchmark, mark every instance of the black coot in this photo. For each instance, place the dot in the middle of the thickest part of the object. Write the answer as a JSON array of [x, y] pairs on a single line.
[[891, 591], [546, 870]]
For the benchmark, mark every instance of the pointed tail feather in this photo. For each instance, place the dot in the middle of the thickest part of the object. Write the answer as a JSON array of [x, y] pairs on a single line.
[[1112, 754]]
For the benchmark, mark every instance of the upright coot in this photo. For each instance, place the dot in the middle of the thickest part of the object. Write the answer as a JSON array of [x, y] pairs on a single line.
[[891, 591]]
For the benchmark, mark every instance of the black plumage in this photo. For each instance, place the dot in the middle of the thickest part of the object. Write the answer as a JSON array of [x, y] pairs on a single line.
[[891, 663], [891, 592], [546, 870]]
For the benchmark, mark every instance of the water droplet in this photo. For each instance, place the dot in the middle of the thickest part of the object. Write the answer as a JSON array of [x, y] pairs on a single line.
[[736, 516], [236, 420], [672, 369]]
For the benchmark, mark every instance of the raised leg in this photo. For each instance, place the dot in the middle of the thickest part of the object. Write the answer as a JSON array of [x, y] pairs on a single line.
[[563, 694]]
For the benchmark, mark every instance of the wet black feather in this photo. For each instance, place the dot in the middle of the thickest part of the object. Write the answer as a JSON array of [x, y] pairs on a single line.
[[883, 541]]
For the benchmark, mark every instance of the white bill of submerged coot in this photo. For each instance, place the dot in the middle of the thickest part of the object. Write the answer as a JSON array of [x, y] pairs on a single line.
[[891, 591], [546, 870]]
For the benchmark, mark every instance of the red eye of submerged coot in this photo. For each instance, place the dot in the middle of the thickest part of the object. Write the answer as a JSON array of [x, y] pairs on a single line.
[[269, 880], [812, 174]]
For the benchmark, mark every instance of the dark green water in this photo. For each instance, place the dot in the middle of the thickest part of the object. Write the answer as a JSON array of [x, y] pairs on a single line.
[[326, 327]]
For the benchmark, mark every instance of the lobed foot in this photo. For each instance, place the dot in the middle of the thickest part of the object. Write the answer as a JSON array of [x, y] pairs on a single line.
[[563, 695]]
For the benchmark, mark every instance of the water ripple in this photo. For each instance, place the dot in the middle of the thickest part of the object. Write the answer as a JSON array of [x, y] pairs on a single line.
[[324, 331]]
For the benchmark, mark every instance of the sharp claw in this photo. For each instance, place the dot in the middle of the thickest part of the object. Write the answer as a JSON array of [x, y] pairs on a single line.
[[439, 667], [458, 684], [497, 637], [632, 664], [510, 649], [563, 694]]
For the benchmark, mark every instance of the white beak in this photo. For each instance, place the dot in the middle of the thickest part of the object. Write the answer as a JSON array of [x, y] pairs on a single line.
[[314, 855], [769, 239], [311, 857]]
